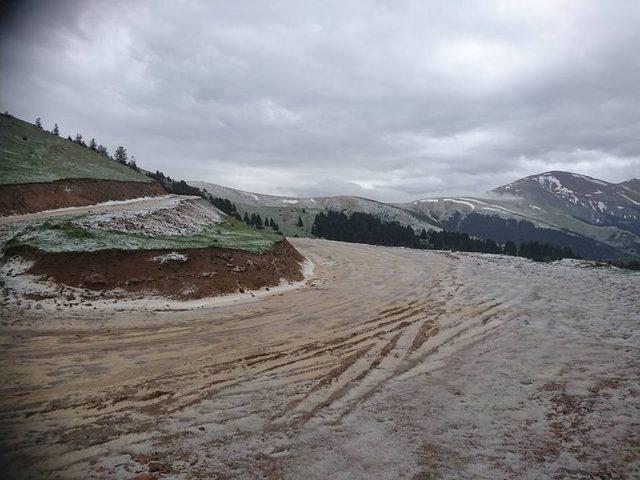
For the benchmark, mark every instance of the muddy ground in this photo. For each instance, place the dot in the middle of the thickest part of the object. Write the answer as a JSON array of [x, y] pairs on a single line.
[[36, 197], [387, 363]]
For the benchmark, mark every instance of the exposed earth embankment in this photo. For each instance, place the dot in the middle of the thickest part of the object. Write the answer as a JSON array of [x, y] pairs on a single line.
[[186, 274], [165, 247], [18, 199]]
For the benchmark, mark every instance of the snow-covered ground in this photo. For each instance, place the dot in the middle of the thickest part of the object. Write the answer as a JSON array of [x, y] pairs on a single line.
[[179, 216]]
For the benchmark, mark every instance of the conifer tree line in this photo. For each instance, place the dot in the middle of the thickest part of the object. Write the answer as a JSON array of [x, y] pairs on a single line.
[[256, 221], [365, 228], [628, 264], [120, 155], [458, 241], [180, 187]]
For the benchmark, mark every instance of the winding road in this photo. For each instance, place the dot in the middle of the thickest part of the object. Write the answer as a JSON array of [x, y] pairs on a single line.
[[387, 363], [164, 201]]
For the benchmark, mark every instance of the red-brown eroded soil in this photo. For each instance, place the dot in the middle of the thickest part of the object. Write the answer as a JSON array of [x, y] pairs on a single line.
[[36, 197], [206, 272]]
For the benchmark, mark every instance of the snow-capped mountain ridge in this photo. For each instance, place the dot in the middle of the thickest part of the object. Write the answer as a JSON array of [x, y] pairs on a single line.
[[597, 217], [632, 184], [586, 197], [608, 213]]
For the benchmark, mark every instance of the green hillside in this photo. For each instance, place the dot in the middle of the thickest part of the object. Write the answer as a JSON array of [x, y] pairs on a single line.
[[31, 155], [62, 235], [285, 217]]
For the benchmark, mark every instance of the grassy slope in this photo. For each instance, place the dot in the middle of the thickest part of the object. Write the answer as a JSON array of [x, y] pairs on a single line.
[[60, 235], [43, 157], [285, 217]]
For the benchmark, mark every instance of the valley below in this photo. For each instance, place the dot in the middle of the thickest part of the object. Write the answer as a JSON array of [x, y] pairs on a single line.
[[382, 363]]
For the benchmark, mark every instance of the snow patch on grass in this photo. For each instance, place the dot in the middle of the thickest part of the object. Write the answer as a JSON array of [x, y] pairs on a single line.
[[68, 237], [468, 204], [168, 224], [538, 208]]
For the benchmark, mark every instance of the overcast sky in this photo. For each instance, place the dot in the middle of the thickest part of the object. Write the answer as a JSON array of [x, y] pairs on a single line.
[[391, 100]]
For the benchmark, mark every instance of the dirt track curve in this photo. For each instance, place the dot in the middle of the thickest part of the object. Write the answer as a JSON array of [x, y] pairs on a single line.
[[111, 206], [389, 363]]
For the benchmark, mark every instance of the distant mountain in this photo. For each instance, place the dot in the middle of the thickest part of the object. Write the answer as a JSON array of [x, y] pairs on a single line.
[[589, 199], [286, 210], [633, 185], [597, 219]]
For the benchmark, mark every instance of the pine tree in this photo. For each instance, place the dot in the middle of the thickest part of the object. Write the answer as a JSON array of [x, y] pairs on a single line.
[[300, 224], [423, 234], [258, 222], [39, 123], [92, 144], [102, 150], [120, 155], [78, 139], [56, 130], [246, 218], [510, 248]]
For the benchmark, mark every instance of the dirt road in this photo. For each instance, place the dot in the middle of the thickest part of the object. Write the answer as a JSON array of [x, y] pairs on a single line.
[[164, 201], [389, 363]]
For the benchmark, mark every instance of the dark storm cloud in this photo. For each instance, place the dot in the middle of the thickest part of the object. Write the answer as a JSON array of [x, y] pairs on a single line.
[[390, 100]]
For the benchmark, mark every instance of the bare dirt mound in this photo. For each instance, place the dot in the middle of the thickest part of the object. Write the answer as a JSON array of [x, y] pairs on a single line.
[[185, 274], [36, 197]]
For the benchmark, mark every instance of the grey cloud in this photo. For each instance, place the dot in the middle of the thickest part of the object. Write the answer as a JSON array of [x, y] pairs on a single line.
[[391, 101]]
